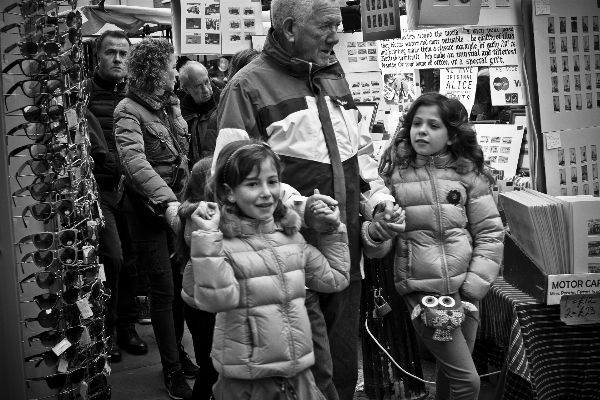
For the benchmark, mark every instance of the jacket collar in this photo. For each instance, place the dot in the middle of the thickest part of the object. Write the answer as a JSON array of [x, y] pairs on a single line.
[[107, 84], [189, 105], [447, 160], [233, 225], [153, 102], [295, 66]]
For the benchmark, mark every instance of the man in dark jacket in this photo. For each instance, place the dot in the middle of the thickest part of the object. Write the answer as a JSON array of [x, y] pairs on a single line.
[[106, 89], [294, 96], [197, 105]]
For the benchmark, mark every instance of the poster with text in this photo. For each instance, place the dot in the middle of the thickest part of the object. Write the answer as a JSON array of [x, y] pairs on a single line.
[[354, 55], [459, 83], [501, 145], [567, 53], [200, 27], [240, 20], [449, 48], [572, 168], [506, 86]]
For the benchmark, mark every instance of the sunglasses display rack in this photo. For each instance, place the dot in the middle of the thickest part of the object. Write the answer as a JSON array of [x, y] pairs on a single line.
[[55, 211]]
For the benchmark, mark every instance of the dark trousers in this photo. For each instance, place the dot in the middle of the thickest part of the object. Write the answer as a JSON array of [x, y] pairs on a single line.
[[115, 253], [201, 325], [150, 244], [178, 303]]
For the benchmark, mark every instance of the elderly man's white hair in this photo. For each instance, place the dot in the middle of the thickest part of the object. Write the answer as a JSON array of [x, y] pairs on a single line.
[[299, 10], [187, 69]]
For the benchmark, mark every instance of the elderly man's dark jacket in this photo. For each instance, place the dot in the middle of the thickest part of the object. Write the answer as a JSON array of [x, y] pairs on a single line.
[[203, 135]]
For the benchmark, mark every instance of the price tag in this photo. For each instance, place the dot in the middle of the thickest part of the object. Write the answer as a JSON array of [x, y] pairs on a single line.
[[83, 390], [107, 369], [84, 308], [579, 309], [72, 122], [85, 337], [61, 347], [553, 141], [101, 273], [542, 7], [63, 365]]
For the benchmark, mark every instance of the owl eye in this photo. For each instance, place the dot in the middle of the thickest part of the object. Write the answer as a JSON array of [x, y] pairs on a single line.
[[447, 301], [429, 301]]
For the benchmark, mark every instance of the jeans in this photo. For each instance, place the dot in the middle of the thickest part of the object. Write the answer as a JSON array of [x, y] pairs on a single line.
[[456, 376], [150, 244], [201, 325], [178, 303], [115, 253]]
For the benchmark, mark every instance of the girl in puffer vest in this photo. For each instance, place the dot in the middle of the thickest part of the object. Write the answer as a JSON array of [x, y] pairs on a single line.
[[451, 249], [250, 265]]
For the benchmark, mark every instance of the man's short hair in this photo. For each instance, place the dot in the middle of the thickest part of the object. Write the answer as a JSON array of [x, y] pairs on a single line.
[[299, 10], [112, 34], [187, 69]]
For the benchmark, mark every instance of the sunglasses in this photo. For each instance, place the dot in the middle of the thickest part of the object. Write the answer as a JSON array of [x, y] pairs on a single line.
[[50, 318], [44, 211], [36, 113], [45, 240], [41, 151], [33, 67], [50, 358], [40, 131], [41, 190], [73, 334], [34, 88], [33, 47], [47, 301], [55, 165], [60, 380], [72, 19], [34, 24], [28, 7]]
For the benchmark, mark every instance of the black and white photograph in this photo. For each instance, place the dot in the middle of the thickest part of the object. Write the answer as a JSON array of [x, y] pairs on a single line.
[[193, 23], [234, 10], [212, 38]]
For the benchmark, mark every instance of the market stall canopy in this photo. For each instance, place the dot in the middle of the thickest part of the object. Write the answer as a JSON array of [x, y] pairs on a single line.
[[128, 18]]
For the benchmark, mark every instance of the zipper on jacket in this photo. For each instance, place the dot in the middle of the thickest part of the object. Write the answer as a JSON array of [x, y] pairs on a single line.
[[439, 218], [287, 316]]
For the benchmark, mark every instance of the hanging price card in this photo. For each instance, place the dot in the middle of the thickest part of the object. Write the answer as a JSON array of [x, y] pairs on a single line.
[[61, 347], [579, 309], [84, 308]]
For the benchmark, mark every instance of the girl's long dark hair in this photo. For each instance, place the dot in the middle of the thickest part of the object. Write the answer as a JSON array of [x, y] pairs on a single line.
[[196, 190], [463, 137]]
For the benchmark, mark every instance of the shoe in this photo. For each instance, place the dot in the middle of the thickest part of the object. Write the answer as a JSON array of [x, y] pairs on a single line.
[[189, 369], [129, 341], [115, 354], [143, 303], [177, 386]]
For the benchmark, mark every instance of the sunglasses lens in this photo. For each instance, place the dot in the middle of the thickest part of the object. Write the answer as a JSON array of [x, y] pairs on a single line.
[[45, 280], [29, 7], [41, 211], [56, 381], [55, 112], [70, 296], [49, 318], [32, 88], [64, 207], [35, 131], [32, 113], [46, 301], [38, 151], [74, 334], [51, 49], [67, 255], [50, 339], [29, 49], [77, 375], [43, 240], [31, 67], [50, 359], [43, 258]]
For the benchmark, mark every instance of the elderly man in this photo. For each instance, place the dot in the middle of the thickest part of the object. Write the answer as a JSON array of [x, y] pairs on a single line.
[[199, 102], [295, 97]]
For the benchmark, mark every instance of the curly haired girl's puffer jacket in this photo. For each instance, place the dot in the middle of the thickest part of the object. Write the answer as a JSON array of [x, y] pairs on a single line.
[[454, 237], [253, 274]]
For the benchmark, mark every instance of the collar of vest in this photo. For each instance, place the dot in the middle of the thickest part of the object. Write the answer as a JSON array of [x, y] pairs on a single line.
[[109, 84]]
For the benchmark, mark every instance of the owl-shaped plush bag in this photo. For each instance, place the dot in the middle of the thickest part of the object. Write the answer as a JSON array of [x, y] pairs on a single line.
[[443, 313]]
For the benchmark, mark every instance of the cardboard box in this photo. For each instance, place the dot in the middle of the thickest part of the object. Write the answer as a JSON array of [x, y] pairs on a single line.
[[523, 273]]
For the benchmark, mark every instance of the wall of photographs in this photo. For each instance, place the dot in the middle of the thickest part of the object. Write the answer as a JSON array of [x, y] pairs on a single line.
[[55, 208], [567, 46]]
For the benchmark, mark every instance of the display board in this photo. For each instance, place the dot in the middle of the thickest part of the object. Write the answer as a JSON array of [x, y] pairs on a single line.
[[567, 52], [450, 48], [380, 19], [354, 55], [501, 145], [449, 12], [571, 162], [365, 86], [459, 83], [506, 86], [219, 26]]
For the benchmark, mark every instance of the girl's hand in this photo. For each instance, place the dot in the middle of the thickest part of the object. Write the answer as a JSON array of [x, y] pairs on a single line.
[[321, 213], [206, 217], [387, 223]]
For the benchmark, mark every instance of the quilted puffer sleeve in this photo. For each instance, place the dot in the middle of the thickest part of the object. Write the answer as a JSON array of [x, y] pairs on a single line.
[[327, 267], [487, 231], [136, 168], [215, 287]]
